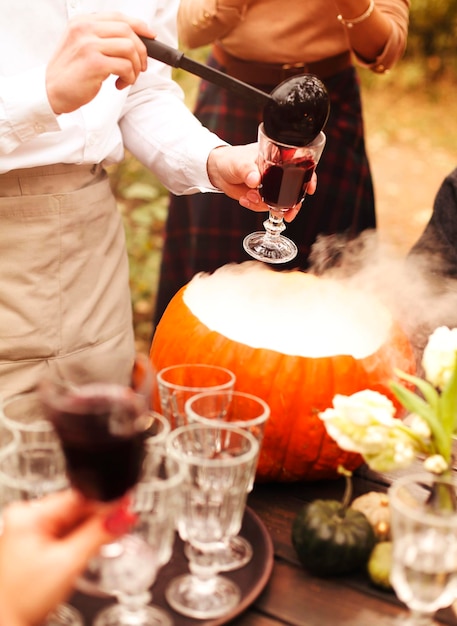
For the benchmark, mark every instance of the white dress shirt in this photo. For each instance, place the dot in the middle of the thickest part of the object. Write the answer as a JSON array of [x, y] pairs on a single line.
[[150, 119]]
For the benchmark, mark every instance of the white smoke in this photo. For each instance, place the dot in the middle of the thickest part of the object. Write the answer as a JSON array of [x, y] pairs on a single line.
[[290, 312], [414, 286]]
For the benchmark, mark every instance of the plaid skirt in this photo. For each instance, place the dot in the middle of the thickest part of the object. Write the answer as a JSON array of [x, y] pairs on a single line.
[[206, 230]]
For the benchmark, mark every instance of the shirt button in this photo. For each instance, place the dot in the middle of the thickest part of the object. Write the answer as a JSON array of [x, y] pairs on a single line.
[[380, 69], [39, 128]]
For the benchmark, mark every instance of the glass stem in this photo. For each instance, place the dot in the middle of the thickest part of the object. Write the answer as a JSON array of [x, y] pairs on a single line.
[[133, 603], [274, 225], [203, 565]]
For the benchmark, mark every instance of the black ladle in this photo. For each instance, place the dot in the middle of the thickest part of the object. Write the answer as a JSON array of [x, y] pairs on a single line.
[[294, 113], [176, 58]]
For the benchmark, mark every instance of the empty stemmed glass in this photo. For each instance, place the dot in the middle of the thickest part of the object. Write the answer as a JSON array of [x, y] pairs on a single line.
[[130, 568], [177, 383], [424, 534], [286, 171], [235, 409], [32, 465], [218, 464], [37, 459]]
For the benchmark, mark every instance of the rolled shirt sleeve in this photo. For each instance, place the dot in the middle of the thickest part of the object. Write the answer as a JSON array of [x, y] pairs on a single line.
[[160, 131], [25, 111]]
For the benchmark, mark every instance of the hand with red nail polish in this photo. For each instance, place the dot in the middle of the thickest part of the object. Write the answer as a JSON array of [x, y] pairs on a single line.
[[45, 545]]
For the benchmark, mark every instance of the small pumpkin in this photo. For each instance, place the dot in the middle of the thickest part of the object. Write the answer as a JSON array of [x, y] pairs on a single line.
[[379, 565], [375, 506], [295, 340], [331, 538]]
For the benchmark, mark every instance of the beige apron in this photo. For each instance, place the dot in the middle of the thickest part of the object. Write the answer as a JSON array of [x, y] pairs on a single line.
[[65, 303]]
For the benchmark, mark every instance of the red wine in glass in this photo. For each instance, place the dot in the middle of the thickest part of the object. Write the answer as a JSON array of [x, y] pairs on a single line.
[[102, 430], [284, 185]]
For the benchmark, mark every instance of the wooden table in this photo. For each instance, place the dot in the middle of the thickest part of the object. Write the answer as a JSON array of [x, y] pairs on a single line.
[[293, 597]]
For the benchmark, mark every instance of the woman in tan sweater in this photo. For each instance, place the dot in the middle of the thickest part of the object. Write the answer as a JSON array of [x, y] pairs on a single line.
[[264, 42]]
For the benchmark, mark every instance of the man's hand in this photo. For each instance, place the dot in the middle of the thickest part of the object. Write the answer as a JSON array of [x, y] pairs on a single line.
[[93, 47], [233, 170]]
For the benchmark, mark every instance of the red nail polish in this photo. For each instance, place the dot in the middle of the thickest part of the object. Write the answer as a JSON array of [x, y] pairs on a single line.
[[120, 521]]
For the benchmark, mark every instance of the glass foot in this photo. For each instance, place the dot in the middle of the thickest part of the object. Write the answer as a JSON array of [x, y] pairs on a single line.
[[264, 247], [119, 615], [237, 555], [202, 599], [64, 615]]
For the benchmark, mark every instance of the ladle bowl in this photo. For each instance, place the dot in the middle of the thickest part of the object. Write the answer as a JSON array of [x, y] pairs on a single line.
[[298, 110]]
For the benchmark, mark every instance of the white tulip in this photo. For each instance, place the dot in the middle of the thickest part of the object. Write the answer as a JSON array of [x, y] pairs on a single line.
[[439, 357]]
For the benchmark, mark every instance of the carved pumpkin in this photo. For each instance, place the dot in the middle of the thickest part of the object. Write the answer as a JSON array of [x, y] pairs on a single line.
[[293, 339]]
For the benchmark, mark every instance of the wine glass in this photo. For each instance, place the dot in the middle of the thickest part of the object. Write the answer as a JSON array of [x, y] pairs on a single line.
[[424, 535], [102, 427], [177, 383], [155, 435], [130, 568], [286, 171], [32, 466], [218, 463], [235, 409]]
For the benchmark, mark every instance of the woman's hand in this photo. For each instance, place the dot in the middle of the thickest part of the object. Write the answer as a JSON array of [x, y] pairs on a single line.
[[45, 545]]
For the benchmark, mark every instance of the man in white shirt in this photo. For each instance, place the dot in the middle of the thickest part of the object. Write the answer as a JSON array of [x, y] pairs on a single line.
[[76, 88]]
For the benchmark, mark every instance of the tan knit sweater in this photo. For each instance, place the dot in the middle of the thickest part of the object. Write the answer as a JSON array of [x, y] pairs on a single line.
[[285, 31]]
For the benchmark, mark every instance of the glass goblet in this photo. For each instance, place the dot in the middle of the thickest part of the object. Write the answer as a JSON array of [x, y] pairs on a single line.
[[177, 383], [218, 464], [131, 568], [32, 467], [424, 535], [234, 409], [9, 439], [38, 459], [286, 171], [101, 427], [155, 436]]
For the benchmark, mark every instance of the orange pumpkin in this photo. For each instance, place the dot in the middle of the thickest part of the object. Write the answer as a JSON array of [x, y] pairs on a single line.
[[293, 339]]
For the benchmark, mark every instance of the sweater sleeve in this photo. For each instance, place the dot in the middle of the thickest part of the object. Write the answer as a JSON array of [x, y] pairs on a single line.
[[200, 22], [398, 13]]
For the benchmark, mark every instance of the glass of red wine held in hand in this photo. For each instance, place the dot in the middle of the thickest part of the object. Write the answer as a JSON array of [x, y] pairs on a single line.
[[286, 171], [102, 429]]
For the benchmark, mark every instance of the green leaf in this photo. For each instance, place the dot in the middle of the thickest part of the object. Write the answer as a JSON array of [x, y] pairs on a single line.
[[449, 402], [413, 403], [429, 392]]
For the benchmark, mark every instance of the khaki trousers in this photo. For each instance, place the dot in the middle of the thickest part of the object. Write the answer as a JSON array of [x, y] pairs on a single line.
[[65, 305]]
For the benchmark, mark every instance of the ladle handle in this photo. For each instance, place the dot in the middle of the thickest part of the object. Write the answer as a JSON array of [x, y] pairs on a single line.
[[176, 58]]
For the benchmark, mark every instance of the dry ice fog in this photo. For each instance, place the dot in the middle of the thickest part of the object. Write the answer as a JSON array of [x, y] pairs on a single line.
[[420, 288], [415, 288]]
